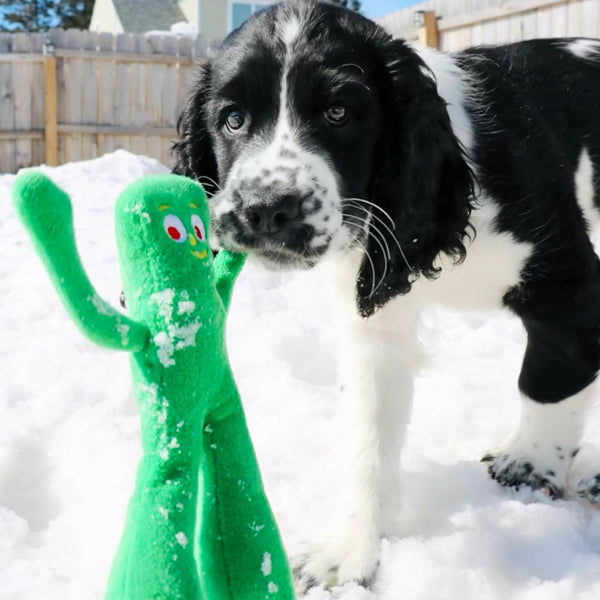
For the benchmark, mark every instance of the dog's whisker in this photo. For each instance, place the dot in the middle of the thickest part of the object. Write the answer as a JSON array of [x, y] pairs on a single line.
[[372, 266], [360, 201], [368, 256], [373, 227], [367, 211], [385, 249], [359, 226], [392, 234], [211, 181], [370, 231]]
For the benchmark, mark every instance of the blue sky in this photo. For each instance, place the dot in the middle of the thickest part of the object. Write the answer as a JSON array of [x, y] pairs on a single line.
[[378, 8]]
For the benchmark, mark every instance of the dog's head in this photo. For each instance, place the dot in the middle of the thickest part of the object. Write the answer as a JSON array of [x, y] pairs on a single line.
[[314, 131]]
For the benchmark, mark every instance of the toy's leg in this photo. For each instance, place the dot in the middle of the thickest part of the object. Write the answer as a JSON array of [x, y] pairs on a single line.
[[240, 551], [155, 560]]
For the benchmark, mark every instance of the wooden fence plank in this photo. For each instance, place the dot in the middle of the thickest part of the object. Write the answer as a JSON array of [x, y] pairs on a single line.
[[139, 97], [529, 25], [20, 57], [464, 38], [27, 134], [23, 90], [106, 92], [122, 130], [89, 95], [488, 33], [186, 48], [558, 17], [6, 41], [502, 30], [38, 119], [544, 23], [589, 18], [7, 116], [477, 34], [574, 24], [156, 73], [428, 32], [123, 56], [516, 28], [169, 100], [73, 73], [124, 42], [51, 110]]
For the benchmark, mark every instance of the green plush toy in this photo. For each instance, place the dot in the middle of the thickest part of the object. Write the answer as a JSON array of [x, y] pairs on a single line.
[[198, 525]]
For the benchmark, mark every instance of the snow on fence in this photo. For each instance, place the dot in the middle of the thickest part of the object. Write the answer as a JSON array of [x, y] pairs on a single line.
[[69, 95], [462, 23]]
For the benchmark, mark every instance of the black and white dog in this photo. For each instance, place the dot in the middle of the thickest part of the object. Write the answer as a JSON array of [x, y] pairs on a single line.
[[416, 177]]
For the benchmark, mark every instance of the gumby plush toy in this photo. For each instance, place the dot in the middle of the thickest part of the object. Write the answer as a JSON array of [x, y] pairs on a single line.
[[199, 526]]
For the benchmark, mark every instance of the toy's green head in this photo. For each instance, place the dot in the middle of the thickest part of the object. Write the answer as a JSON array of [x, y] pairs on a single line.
[[162, 226]]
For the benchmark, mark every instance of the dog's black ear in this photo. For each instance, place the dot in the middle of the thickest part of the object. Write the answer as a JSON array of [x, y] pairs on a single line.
[[193, 150], [421, 179]]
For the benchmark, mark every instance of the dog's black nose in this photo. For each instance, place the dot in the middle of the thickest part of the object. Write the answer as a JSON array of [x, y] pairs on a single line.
[[274, 214]]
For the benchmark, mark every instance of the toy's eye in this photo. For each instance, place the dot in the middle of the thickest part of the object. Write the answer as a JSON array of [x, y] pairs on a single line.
[[198, 226], [175, 228]]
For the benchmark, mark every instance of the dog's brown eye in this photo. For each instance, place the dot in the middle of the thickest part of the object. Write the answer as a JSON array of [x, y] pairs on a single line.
[[235, 120], [336, 114]]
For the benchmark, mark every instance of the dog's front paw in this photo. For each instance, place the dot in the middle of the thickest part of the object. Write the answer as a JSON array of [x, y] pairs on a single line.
[[513, 471], [589, 489], [337, 563]]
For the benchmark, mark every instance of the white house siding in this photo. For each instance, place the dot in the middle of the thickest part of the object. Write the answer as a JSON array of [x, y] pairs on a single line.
[[105, 18]]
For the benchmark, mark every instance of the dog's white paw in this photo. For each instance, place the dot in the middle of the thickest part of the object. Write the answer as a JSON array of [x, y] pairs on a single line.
[[540, 453], [337, 562], [589, 489], [540, 469], [515, 472]]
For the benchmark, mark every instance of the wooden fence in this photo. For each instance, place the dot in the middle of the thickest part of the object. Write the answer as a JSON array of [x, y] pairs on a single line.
[[74, 95], [462, 23]]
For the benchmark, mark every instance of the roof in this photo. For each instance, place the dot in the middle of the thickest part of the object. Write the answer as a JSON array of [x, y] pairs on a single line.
[[138, 16]]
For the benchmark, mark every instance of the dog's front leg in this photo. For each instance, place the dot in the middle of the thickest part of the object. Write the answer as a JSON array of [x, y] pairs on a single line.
[[378, 361]]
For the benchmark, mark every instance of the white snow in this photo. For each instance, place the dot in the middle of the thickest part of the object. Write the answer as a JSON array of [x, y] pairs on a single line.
[[175, 337], [181, 29], [69, 441], [181, 539], [267, 566]]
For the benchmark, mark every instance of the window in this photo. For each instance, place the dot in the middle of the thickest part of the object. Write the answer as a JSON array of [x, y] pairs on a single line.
[[240, 10]]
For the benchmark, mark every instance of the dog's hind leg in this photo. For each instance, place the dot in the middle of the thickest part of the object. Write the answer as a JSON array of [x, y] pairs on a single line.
[[557, 384]]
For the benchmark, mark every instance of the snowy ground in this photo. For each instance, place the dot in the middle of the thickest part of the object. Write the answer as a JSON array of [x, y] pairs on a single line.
[[69, 436]]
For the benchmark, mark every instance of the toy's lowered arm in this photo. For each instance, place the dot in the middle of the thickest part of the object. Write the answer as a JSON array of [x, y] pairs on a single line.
[[45, 210], [227, 267]]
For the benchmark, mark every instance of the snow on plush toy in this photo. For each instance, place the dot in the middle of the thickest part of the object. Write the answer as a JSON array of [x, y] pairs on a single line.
[[198, 525]]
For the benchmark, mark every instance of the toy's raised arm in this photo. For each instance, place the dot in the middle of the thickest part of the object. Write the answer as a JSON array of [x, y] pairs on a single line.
[[46, 213], [226, 268]]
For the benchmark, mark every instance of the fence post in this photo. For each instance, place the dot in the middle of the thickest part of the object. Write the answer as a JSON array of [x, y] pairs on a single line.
[[50, 105], [426, 22]]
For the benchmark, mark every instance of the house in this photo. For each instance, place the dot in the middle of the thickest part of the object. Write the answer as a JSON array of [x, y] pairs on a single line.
[[216, 17]]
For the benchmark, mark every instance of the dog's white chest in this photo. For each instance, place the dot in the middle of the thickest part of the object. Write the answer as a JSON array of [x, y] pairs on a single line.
[[494, 263]]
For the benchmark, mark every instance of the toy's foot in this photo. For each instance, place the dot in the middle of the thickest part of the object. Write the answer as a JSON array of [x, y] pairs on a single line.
[[589, 489], [335, 564], [515, 470]]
